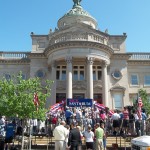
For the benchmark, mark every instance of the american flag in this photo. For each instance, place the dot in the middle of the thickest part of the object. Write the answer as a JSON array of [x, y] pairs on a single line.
[[103, 107], [36, 100]]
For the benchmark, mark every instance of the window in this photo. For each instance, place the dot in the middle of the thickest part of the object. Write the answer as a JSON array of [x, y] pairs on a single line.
[[60, 97], [147, 80], [61, 73], [40, 73], [78, 73], [134, 79], [118, 101], [98, 98], [97, 73], [7, 77], [117, 74]]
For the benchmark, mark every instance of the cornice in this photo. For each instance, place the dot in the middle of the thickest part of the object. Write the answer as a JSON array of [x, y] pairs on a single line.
[[74, 44], [121, 56], [139, 62], [8, 61], [36, 55]]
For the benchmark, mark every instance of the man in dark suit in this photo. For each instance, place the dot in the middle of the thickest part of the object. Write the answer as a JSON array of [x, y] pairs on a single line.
[[74, 138]]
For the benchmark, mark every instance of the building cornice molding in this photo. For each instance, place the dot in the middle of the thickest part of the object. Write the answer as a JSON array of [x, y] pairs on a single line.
[[121, 56], [74, 44], [22, 62], [139, 62], [36, 55]]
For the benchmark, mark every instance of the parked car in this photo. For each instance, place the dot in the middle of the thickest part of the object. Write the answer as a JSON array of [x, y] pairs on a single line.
[[140, 143]]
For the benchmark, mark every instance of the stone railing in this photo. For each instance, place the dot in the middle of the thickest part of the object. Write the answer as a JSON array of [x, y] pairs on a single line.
[[140, 56], [13, 55], [78, 37]]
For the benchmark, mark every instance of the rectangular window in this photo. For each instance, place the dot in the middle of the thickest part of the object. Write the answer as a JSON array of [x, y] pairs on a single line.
[[98, 98], [78, 73], [134, 79], [94, 75], [81, 75], [147, 80], [63, 77], [61, 73], [99, 75], [75, 75], [60, 97], [118, 101], [57, 75]]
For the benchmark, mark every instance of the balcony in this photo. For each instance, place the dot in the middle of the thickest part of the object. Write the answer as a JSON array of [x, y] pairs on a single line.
[[13, 55], [139, 56]]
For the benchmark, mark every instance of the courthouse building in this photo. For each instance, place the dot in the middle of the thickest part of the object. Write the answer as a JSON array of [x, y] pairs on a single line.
[[83, 62]]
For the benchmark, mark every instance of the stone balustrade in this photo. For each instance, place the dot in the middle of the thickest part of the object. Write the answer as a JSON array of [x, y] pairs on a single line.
[[13, 55], [78, 37], [140, 56]]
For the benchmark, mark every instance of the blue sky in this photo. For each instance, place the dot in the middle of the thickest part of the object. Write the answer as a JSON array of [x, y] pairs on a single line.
[[18, 18]]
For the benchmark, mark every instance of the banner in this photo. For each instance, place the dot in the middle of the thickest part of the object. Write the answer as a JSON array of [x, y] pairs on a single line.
[[79, 102]]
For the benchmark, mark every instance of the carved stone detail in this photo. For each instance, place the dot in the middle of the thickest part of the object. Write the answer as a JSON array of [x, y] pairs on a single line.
[[90, 60], [97, 84], [68, 59], [61, 85], [79, 85]]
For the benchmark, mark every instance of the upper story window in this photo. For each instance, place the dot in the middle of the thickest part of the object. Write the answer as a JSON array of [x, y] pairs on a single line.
[[7, 77], [78, 73], [61, 73], [147, 80], [117, 74], [134, 80], [97, 73]]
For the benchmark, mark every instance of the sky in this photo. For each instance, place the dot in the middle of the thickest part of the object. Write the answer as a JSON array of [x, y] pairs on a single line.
[[18, 18]]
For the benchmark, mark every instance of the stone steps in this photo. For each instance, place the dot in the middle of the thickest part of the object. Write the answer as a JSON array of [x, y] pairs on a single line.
[[38, 140]]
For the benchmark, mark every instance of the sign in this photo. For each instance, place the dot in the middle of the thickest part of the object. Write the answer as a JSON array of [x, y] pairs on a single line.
[[79, 102]]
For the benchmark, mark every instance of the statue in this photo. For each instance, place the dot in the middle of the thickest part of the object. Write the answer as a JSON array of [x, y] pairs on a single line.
[[77, 2]]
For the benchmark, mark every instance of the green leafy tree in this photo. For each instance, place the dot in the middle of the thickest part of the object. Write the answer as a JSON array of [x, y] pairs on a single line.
[[17, 98], [146, 103]]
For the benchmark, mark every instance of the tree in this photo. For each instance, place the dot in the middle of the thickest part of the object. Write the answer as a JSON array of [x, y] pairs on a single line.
[[17, 95], [146, 103]]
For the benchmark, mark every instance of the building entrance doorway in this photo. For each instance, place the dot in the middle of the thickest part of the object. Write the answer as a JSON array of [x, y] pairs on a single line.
[[98, 98], [78, 95]]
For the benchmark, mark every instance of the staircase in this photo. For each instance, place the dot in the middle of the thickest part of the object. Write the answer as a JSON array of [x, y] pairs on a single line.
[[112, 142]]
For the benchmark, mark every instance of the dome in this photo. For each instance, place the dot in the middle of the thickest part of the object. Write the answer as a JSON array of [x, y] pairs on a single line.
[[77, 14]]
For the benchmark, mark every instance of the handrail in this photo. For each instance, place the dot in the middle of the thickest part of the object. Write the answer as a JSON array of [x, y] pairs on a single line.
[[13, 55]]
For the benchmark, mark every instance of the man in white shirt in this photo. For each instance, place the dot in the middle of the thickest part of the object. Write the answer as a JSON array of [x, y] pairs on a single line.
[[60, 135]]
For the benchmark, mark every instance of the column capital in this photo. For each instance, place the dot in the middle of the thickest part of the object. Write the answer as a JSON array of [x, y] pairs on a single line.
[[69, 59], [104, 63], [90, 60]]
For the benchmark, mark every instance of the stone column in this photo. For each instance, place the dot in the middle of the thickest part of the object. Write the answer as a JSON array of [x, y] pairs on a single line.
[[53, 88], [90, 77], [105, 83], [69, 77]]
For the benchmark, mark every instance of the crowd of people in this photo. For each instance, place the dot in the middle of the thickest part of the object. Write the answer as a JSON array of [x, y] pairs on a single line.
[[96, 125], [71, 126]]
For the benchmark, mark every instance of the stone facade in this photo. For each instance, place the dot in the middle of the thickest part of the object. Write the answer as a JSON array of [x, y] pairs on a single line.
[[83, 62]]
